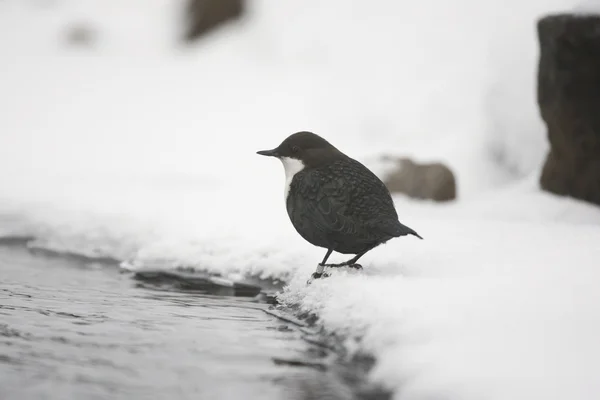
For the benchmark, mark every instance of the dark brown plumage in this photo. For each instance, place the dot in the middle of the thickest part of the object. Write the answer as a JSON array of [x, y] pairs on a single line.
[[334, 201]]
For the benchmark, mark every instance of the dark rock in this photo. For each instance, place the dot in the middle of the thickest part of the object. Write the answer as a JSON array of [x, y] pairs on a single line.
[[433, 181], [569, 101], [203, 16]]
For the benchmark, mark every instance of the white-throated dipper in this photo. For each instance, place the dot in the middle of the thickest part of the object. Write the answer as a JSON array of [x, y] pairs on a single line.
[[334, 201]]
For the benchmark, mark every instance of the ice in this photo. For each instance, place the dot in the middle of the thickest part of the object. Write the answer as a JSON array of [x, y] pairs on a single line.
[[141, 149]]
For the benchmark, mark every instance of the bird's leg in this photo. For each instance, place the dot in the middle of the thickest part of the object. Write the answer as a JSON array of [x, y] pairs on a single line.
[[319, 272], [329, 251], [351, 262]]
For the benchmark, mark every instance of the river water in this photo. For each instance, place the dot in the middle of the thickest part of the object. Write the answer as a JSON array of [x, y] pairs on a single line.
[[77, 329]]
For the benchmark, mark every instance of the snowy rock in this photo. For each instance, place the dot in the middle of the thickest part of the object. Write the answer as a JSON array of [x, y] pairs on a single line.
[[569, 99], [433, 181]]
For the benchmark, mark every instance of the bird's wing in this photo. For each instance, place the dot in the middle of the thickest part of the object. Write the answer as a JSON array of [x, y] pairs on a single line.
[[319, 212], [339, 204], [368, 198], [371, 202]]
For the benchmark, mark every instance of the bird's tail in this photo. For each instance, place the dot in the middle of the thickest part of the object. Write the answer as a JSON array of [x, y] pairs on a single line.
[[394, 228], [404, 230]]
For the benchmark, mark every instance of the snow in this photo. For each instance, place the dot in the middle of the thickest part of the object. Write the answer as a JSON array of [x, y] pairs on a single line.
[[587, 7], [493, 313], [141, 149]]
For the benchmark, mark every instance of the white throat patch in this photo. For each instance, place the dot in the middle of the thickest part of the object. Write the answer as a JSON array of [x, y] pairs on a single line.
[[292, 166]]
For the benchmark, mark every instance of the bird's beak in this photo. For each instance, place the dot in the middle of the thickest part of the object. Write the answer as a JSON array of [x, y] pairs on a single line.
[[270, 153]]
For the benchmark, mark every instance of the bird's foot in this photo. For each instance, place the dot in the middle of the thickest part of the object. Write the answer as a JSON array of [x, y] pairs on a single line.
[[353, 265], [334, 265], [319, 273]]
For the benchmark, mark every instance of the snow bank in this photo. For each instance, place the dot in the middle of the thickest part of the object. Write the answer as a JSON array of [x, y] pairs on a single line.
[[502, 306], [138, 149], [478, 311]]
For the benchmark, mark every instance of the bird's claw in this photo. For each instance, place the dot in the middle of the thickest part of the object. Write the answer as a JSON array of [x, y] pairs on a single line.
[[317, 275]]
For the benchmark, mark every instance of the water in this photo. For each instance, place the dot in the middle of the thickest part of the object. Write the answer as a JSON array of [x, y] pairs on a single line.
[[74, 329]]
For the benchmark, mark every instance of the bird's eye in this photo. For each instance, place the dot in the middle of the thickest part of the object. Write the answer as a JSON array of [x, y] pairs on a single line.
[[295, 149]]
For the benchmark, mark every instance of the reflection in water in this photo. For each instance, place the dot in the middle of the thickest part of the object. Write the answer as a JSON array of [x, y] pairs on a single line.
[[196, 282], [69, 329]]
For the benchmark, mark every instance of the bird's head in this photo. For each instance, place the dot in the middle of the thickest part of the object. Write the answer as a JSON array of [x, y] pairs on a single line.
[[305, 147]]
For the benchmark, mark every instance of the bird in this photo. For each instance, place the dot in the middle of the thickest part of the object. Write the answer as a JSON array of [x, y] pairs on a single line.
[[333, 201]]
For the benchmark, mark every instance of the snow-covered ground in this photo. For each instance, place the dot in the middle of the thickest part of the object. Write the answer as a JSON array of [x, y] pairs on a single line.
[[142, 149]]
